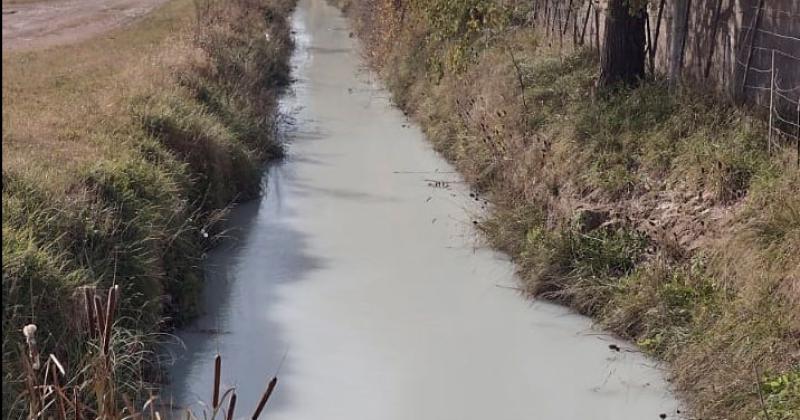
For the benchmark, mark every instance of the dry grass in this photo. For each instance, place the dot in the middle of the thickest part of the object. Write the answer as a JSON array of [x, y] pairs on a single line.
[[14, 2], [56, 100], [120, 155], [54, 390], [657, 212]]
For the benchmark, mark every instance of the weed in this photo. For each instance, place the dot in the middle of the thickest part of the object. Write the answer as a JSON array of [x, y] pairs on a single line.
[[782, 394]]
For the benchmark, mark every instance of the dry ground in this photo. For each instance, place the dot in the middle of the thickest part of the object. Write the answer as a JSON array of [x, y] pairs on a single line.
[[53, 99], [40, 24]]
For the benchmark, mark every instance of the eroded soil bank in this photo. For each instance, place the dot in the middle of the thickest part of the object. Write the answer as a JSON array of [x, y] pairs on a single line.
[[360, 279]]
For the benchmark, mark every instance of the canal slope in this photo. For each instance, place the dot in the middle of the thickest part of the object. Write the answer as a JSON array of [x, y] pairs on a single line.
[[360, 279]]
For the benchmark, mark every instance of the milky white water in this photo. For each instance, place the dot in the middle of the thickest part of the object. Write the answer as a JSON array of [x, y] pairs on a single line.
[[366, 286]]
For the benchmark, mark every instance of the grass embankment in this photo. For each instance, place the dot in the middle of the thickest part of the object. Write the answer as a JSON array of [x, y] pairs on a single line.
[[119, 156], [658, 212]]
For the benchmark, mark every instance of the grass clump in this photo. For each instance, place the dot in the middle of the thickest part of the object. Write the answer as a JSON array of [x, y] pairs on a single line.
[[577, 268], [782, 394]]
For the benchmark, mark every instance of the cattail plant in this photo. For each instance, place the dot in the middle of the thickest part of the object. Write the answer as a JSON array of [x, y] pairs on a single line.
[[29, 331], [30, 366], [92, 392], [265, 398]]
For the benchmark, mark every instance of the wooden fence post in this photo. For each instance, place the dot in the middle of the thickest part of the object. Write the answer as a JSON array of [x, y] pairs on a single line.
[[771, 104], [597, 29], [685, 34], [655, 38], [566, 20], [560, 34], [586, 21], [754, 31], [649, 36], [713, 41]]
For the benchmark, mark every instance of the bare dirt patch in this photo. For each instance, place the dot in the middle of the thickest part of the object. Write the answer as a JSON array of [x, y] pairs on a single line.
[[41, 24]]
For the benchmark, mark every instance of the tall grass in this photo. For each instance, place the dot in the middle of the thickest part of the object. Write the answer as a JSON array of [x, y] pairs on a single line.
[[174, 138]]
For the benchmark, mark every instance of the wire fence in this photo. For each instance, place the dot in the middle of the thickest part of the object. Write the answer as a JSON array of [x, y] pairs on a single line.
[[784, 109], [769, 63], [747, 48]]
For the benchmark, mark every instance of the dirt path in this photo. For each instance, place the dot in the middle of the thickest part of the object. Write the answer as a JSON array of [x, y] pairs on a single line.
[[44, 24]]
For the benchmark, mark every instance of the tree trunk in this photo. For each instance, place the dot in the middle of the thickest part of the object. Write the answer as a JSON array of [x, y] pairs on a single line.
[[623, 56]]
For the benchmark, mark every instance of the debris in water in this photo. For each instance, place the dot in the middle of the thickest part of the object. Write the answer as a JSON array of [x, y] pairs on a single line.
[[208, 331], [438, 184]]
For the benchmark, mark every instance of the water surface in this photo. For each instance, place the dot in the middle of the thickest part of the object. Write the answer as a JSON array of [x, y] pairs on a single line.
[[360, 277]]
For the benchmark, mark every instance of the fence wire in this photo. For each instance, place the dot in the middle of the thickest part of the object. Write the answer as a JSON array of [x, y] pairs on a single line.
[[774, 85], [764, 61]]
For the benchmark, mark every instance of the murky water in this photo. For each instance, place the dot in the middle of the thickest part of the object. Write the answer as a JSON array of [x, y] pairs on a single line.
[[361, 279]]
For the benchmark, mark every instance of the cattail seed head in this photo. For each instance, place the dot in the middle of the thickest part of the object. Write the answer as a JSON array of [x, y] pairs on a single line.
[[231, 407], [265, 397], [217, 379], [29, 331]]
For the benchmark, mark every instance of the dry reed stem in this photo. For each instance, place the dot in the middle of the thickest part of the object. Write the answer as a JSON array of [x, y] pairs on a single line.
[[62, 410], [110, 307], [90, 314], [98, 309], [76, 404], [131, 408]]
